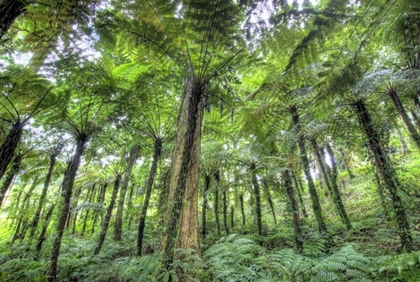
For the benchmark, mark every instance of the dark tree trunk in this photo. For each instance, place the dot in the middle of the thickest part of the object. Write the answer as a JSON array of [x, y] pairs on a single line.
[[295, 210], [257, 195], [241, 202], [153, 169], [9, 11], [204, 207], [337, 195], [107, 219], [225, 210], [123, 191], [35, 220], [216, 202], [403, 113], [67, 189], [387, 173], [232, 216], [9, 178], [270, 201], [10, 143], [299, 192], [100, 200], [316, 205]]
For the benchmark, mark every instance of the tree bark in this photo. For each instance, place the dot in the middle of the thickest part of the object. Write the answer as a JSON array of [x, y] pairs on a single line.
[[257, 194], [216, 202], [403, 113], [35, 220], [10, 143], [9, 178], [41, 237], [270, 201], [225, 210], [207, 179], [241, 202], [336, 192], [316, 206], [107, 219], [89, 200], [9, 11], [153, 169], [134, 152], [100, 200], [67, 189], [182, 213], [387, 173], [299, 192], [295, 210]]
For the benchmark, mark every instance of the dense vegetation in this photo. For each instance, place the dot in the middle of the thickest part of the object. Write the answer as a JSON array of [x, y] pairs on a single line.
[[209, 140]]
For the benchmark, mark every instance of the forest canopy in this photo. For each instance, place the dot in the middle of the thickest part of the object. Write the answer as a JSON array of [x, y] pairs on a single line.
[[209, 140]]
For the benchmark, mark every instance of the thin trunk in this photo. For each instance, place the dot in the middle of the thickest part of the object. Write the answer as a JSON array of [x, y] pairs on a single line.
[[403, 113], [225, 210], [134, 152], [216, 203], [7, 149], [295, 210], [9, 178], [9, 11], [35, 220], [402, 140], [257, 194], [241, 201], [316, 205], [232, 215], [299, 192], [67, 189], [334, 186], [107, 219], [381, 193], [89, 199], [387, 173], [204, 206], [100, 200], [45, 225], [153, 169], [270, 201], [182, 215]]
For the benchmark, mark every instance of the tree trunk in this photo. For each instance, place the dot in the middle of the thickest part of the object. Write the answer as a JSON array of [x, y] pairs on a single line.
[[270, 201], [100, 200], [299, 192], [257, 195], [403, 113], [204, 206], [134, 152], [216, 202], [182, 231], [153, 169], [225, 210], [9, 178], [316, 206], [10, 143], [41, 237], [67, 189], [9, 11], [295, 210], [232, 216], [387, 173], [35, 220], [89, 200], [241, 201], [107, 219], [336, 192]]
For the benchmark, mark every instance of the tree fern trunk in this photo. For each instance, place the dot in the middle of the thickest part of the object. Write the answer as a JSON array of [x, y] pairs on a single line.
[[295, 210], [9, 11], [241, 202], [403, 113], [44, 229], [107, 219], [89, 200], [10, 143], [67, 189], [100, 200], [257, 194], [134, 152], [299, 192], [182, 215], [316, 205], [232, 216], [216, 202], [225, 210], [269, 200], [204, 206], [9, 178], [150, 181], [337, 195], [387, 174]]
